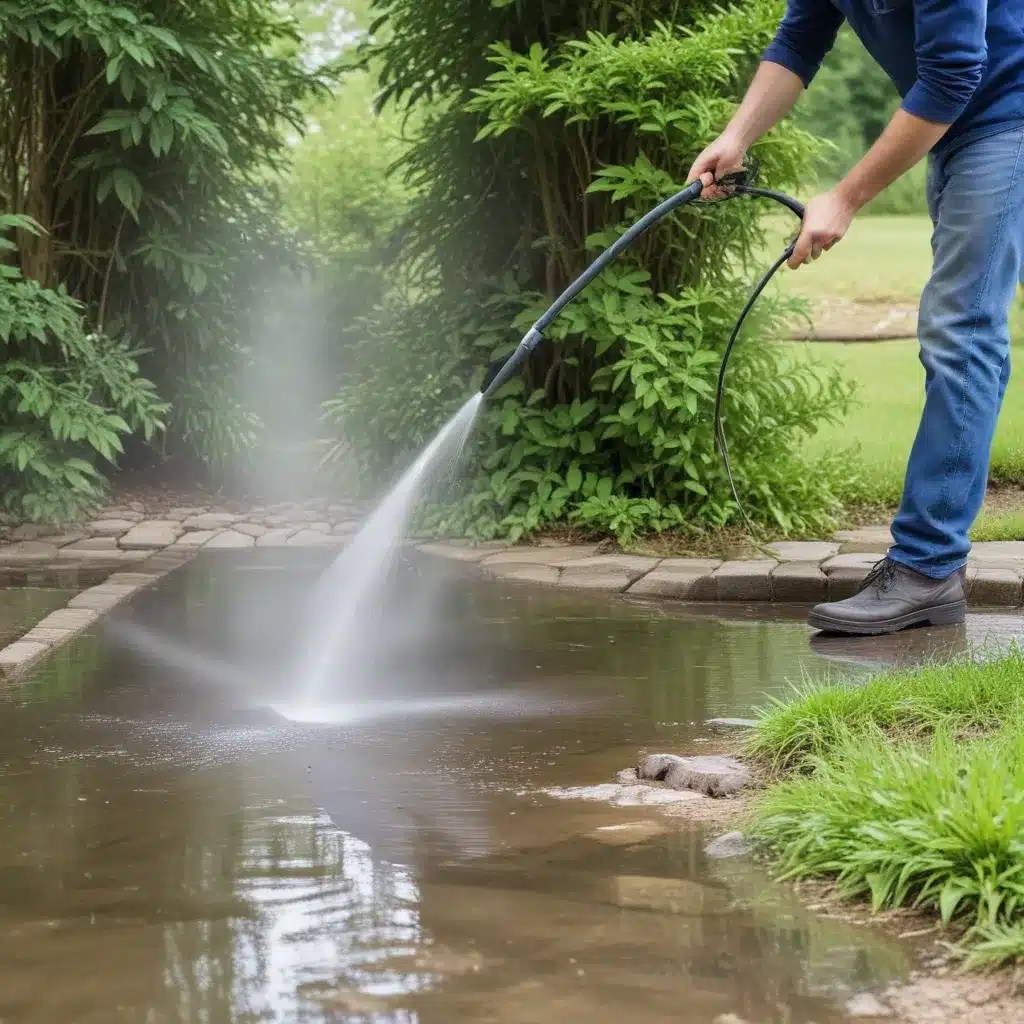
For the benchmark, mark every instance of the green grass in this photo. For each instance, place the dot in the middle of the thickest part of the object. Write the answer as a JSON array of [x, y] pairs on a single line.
[[907, 791], [996, 525], [887, 260], [883, 423]]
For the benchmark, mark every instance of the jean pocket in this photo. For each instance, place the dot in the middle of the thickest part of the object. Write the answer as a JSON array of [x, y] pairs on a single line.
[[888, 6]]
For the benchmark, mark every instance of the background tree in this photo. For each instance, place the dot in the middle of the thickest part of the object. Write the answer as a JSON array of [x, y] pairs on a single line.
[[138, 147]]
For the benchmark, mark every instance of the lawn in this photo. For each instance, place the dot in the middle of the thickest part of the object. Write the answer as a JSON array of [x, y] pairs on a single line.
[[906, 791], [886, 260]]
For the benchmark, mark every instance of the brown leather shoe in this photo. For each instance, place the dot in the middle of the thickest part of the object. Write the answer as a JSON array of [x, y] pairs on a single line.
[[893, 597]]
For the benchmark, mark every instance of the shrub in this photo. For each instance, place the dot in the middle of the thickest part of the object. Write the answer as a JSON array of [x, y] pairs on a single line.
[[611, 421], [68, 396]]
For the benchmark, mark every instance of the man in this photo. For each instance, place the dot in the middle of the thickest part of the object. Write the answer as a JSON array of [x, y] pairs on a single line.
[[959, 67]]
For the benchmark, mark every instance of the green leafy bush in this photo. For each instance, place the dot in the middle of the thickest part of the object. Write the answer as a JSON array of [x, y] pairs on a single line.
[[521, 177], [68, 396], [158, 131]]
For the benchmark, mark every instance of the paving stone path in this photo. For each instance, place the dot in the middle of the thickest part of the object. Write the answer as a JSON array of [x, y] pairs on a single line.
[[800, 572], [130, 546]]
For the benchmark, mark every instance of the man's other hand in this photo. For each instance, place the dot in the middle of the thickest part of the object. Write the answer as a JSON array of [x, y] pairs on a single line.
[[826, 219]]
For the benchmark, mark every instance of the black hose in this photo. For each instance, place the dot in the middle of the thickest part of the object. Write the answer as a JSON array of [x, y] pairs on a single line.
[[720, 442]]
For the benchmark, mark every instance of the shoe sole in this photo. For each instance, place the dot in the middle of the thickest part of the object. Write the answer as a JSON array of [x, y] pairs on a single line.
[[940, 615]]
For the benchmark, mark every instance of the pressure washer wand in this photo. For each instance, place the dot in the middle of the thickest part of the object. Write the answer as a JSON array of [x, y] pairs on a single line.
[[534, 335]]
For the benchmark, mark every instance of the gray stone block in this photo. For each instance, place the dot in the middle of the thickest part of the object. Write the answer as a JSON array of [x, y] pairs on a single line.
[[745, 580], [799, 582], [17, 658], [804, 550], [230, 540], [988, 586], [557, 556], [526, 572], [845, 582], [151, 535], [606, 572], [680, 579]]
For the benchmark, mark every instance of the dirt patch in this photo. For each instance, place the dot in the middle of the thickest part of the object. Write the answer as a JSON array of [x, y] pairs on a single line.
[[959, 1000], [838, 319]]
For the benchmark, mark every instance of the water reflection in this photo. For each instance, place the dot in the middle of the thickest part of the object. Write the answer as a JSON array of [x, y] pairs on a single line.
[[179, 855]]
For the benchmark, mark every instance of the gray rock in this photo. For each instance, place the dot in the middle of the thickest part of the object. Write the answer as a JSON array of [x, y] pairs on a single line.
[[713, 774], [210, 521], [866, 1005], [732, 844]]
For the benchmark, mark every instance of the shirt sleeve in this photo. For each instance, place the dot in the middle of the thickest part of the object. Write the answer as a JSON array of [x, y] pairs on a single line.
[[951, 55], [805, 35]]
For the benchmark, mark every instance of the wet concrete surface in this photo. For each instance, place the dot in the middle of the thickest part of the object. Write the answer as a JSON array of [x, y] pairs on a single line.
[[173, 851]]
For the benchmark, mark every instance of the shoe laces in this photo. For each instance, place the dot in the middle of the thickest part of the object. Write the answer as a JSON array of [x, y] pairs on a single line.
[[882, 577]]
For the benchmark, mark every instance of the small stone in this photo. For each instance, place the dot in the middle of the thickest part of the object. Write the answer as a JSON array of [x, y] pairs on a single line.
[[732, 723], [732, 844], [729, 1018], [250, 529], [866, 1005], [629, 833], [713, 775], [150, 535], [19, 656], [230, 539]]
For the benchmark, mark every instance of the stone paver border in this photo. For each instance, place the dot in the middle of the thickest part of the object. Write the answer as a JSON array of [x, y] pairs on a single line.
[[801, 573], [122, 551]]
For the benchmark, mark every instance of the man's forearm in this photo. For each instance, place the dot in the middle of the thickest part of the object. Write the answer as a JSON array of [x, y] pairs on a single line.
[[772, 94], [906, 141]]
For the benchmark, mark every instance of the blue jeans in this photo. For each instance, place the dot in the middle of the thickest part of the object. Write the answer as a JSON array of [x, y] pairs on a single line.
[[976, 202]]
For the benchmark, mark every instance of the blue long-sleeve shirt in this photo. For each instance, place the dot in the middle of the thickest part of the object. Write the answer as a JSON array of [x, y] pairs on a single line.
[[955, 62]]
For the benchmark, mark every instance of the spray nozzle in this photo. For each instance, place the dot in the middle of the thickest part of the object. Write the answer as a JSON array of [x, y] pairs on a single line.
[[743, 178]]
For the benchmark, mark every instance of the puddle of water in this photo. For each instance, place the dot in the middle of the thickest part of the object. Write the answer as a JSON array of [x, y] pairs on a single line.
[[22, 607], [172, 851]]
